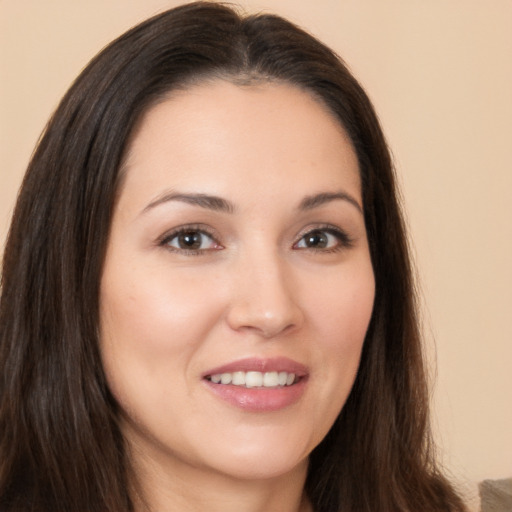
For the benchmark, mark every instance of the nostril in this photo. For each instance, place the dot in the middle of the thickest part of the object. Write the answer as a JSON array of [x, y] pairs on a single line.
[[265, 324]]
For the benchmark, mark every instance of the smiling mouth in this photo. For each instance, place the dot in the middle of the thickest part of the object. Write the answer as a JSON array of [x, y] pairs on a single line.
[[254, 379]]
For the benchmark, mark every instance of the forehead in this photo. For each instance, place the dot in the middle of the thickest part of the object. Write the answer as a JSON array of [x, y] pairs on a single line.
[[221, 132]]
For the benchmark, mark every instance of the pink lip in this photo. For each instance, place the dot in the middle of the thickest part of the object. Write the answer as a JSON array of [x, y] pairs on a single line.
[[277, 364], [260, 399]]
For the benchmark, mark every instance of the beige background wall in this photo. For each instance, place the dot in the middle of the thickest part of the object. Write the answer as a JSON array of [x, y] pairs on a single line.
[[440, 74]]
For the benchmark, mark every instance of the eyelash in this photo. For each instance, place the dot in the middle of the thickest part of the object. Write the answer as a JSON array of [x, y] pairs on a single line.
[[195, 229], [343, 239]]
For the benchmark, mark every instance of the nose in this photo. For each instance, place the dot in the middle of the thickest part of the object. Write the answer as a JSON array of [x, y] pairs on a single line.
[[264, 299]]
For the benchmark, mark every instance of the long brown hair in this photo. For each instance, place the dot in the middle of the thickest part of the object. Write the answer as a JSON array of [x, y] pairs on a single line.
[[60, 444]]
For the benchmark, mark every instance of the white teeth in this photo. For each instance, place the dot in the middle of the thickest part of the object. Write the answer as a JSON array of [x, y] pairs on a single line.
[[238, 379], [226, 378], [254, 379], [270, 379]]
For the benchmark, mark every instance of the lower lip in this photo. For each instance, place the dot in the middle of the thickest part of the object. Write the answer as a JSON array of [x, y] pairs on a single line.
[[259, 399]]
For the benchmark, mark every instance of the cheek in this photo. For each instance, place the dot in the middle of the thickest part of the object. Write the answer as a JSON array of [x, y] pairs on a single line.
[[344, 307], [152, 310], [151, 326], [343, 312]]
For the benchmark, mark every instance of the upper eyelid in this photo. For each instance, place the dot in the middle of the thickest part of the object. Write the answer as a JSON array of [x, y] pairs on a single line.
[[322, 227], [173, 233]]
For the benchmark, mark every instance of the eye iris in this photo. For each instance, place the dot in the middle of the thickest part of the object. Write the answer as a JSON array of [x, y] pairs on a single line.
[[316, 239], [190, 240]]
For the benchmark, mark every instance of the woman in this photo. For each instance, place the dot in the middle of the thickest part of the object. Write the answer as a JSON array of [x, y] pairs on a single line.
[[206, 294]]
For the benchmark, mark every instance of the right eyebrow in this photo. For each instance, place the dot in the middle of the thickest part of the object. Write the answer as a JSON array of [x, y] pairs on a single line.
[[206, 201]]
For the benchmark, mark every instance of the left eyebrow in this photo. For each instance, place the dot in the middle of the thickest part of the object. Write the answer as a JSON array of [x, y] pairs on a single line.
[[314, 201]]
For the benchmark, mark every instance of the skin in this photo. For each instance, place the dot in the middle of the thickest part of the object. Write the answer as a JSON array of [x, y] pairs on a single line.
[[254, 288]]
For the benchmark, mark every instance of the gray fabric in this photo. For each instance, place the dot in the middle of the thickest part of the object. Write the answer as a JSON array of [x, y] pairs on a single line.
[[496, 495]]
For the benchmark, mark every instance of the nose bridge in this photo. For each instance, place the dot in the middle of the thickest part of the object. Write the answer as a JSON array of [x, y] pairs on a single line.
[[263, 298]]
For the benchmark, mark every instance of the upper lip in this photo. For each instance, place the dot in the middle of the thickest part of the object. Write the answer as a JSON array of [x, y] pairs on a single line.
[[254, 364]]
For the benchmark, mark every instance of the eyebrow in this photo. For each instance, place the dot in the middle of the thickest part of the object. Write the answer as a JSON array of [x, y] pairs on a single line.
[[317, 200], [219, 204], [202, 200]]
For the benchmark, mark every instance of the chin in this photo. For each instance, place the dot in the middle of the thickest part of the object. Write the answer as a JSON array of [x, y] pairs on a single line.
[[264, 468], [261, 456]]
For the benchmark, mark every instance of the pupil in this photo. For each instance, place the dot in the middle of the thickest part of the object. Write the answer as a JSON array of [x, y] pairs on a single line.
[[190, 240], [316, 239]]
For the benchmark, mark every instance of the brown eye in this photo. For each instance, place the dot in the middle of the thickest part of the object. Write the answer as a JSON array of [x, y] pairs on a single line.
[[191, 240], [316, 240], [325, 239]]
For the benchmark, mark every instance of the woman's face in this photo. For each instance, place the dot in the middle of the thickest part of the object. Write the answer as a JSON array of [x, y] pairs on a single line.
[[237, 287]]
